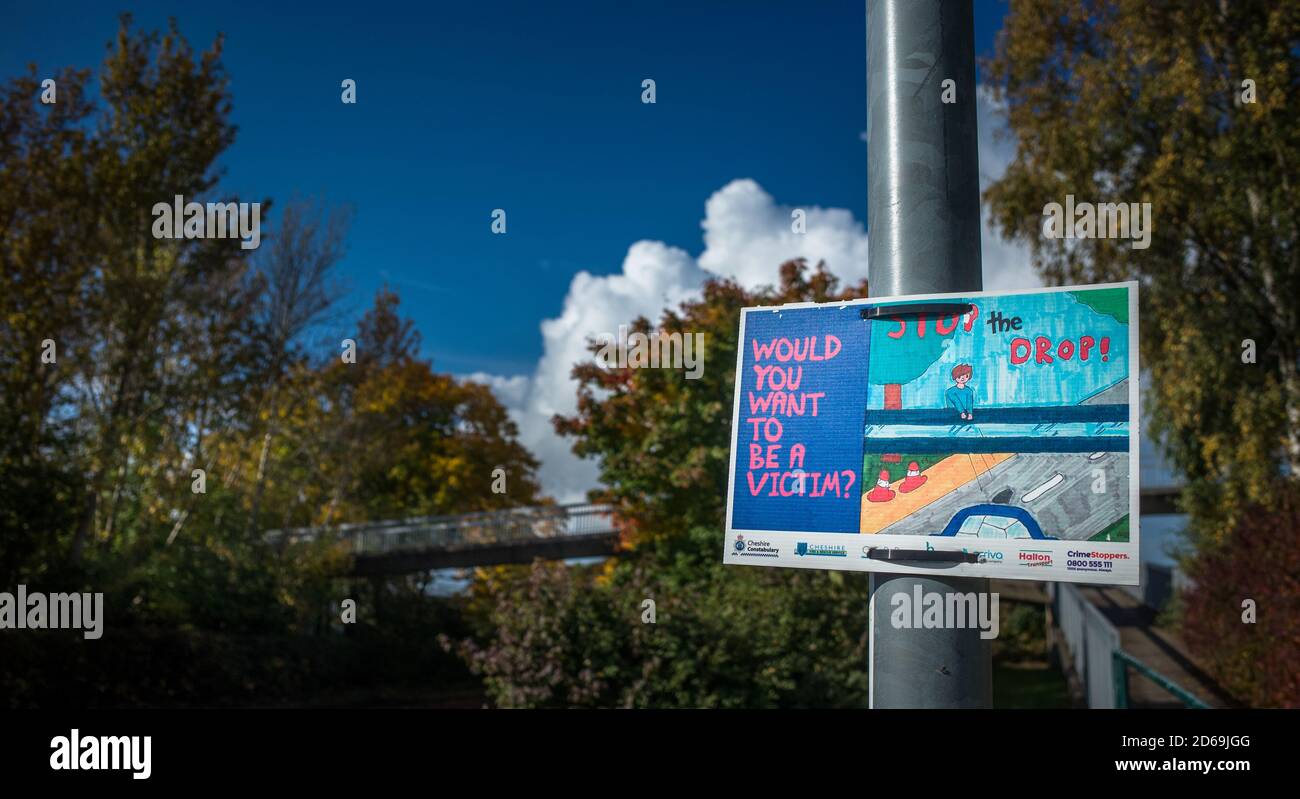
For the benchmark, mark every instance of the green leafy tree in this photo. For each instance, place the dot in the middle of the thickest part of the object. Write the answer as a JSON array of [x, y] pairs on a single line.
[[1191, 107], [557, 635], [45, 154], [165, 121], [175, 356], [297, 265], [663, 441], [429, 442], [83, 273]]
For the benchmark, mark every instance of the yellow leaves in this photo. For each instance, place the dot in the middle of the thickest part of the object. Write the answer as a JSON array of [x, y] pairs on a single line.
[[1142, 101], [605, 575]]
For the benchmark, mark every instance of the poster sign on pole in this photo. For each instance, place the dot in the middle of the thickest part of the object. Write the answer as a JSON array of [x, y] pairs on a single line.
[[989, 434]]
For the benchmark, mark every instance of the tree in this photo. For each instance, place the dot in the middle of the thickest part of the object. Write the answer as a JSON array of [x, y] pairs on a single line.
[[664, 441], [165, 122], [387, 437], [128, 363], [723, 636], [83, 271], [1242, 611], [45, 153], [1130, 101], [297, 269], [557, 635]]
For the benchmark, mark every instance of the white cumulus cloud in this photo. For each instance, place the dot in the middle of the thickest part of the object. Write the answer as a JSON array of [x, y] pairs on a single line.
[[747, 235], [1007, 265]]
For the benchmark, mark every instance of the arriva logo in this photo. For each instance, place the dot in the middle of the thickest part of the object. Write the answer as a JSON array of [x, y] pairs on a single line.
[[986, 555]]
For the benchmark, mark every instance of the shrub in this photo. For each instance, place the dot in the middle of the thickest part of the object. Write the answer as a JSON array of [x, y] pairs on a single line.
[[561, 636], [1258, 560]]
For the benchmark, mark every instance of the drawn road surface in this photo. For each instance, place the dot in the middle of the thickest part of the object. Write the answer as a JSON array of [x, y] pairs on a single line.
[[1067, 508], [1070, 509]]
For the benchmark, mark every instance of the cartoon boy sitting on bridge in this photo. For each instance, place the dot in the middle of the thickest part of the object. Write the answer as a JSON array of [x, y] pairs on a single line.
[[961, 396]]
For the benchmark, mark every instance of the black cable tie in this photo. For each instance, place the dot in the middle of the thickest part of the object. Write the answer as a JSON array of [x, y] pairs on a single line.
[[935, 308], [927, 555]]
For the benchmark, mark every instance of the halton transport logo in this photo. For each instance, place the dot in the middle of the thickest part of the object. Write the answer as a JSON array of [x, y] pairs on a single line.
[[1034, 557]]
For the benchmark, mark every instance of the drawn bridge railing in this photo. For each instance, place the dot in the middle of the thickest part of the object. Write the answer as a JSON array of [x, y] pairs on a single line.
[[514, 535]]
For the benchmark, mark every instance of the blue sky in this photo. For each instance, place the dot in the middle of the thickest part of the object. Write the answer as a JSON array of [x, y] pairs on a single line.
[[615, 208], [529, 107], [535, 108]]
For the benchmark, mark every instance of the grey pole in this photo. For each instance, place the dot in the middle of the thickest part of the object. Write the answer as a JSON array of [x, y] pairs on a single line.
[[923, 221]]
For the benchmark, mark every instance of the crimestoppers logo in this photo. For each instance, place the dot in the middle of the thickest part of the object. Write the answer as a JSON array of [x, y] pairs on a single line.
[[1093, 561]]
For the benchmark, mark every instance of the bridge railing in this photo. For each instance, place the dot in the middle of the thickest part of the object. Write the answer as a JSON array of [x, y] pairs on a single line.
[[1092, 644], [467, 529], [1090, 640]]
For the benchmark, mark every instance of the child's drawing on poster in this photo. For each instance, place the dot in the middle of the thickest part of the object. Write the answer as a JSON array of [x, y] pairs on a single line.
[[978, 425], [1000, 427]]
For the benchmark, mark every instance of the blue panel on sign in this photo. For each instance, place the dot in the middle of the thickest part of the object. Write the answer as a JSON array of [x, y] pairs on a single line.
[[803, 392]]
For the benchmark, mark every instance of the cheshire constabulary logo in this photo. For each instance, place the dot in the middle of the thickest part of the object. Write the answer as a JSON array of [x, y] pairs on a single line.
[[740, 543]]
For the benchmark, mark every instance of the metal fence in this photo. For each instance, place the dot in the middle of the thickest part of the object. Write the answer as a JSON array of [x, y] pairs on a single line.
[[1091, 641], [1124, 661], [467, 529], [1092, 645]]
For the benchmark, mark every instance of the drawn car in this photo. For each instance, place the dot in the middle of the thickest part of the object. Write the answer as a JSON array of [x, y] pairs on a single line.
[[994, 522]]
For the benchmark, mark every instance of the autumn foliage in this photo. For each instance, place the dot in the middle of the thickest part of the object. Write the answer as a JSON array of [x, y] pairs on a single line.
[[663, 441], [559, 635], [1257, 567]]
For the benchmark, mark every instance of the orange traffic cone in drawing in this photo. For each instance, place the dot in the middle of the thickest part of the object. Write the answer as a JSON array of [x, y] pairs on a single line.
[[882, 492], [914, 479]]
